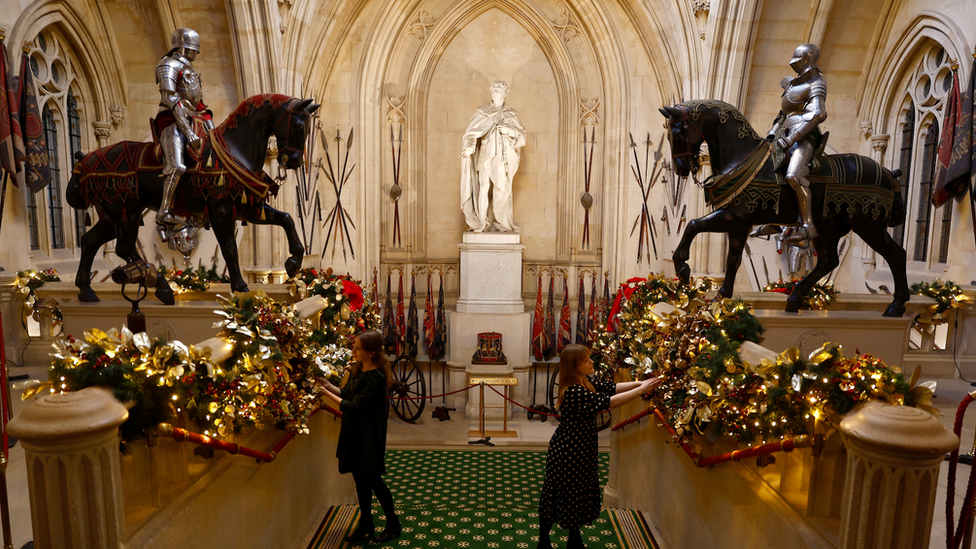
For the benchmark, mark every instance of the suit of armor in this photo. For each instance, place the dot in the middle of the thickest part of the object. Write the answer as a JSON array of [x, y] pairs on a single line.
[[803, 109], [180, 98]]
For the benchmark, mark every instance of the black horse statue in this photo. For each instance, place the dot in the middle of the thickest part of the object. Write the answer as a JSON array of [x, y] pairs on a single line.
[[224, 182], [851, 192]]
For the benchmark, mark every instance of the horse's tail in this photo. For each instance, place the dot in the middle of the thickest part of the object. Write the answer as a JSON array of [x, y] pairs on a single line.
[[72, 193], [899, 211]]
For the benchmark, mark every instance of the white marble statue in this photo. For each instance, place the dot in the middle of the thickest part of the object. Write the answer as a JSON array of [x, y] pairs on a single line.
[[489, 160]]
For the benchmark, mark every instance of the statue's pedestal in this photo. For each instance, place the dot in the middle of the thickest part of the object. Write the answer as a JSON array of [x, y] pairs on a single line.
[[490, 300], [884, 337]]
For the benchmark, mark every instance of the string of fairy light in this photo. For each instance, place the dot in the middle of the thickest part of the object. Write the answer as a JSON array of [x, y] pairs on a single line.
[[260, 370], [693, 345]]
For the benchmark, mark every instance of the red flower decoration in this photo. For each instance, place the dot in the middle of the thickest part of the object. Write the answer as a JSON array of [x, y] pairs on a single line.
[[353, 293]]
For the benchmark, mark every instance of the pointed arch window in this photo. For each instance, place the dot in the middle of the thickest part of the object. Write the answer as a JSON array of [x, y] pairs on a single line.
[[55, 211], [74, 142], [905, 163], [927, 231]]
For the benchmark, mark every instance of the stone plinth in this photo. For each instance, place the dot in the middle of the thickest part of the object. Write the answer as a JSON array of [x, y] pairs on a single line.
[[894, 453], [491, 273], [515, 330], [71, 446], [187, 321], [867, 331]]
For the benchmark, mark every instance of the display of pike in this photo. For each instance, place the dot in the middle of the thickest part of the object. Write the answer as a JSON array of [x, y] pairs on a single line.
[[158, 256], [751, 262]]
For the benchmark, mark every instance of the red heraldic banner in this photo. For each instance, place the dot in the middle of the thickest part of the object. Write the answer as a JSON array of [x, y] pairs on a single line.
[[954, 164], [11, 140], [37, 170], [539, 326], [550, 349], [565, 327], [581, 314], [401, 329], [430, 322]]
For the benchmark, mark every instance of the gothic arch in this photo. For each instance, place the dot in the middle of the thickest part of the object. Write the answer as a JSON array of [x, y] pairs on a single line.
[[882, 95], [101, 76]]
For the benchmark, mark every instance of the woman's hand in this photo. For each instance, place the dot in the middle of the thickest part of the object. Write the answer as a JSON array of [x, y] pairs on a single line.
[[650, 383]]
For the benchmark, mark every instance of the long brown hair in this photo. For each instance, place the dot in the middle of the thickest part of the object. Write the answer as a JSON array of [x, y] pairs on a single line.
[[570, 358], [372, 343]]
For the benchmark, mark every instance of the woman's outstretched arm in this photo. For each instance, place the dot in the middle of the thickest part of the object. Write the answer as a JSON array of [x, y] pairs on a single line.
[[642, 387]]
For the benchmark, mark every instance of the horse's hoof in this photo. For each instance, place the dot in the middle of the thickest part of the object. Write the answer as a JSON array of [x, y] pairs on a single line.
[[241, 288], [792, 306], [292, 266], [88, 296], [165, 295], [683, 272], [895, 309]]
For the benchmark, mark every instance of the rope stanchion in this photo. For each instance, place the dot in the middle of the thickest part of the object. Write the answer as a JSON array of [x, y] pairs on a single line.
[[469, 387], [954, 539]]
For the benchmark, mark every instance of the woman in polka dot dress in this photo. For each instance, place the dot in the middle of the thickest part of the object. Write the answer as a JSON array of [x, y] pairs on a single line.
[[571, 493]]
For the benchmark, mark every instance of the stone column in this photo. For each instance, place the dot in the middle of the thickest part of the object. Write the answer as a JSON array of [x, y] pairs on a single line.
[[894, 453], [71, 446]]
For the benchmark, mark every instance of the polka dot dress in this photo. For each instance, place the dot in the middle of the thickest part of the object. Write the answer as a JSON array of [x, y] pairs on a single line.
[[571, 492]]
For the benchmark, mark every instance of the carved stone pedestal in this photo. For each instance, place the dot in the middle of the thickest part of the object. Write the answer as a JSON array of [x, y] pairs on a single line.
[[894, 454], [490, 300], [71, 444]]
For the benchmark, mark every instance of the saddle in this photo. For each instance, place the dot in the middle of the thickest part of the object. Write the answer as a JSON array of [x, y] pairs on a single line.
[[817, 162], [192, 157]]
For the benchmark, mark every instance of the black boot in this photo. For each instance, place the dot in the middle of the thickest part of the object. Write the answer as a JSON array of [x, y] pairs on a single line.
[[391, 532], [575, 540], [362, 533]]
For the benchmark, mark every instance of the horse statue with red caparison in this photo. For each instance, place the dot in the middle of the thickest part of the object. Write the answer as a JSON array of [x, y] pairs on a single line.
[[851, 193], [224, 181]]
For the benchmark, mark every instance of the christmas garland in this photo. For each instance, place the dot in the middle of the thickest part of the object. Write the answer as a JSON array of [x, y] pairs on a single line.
[[268, 378], [27, 283], [694, 347], [947, 296], [820, 296], [190, 280]]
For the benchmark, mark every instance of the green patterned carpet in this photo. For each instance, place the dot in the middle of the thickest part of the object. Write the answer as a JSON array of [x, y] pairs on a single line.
[[474, 500]]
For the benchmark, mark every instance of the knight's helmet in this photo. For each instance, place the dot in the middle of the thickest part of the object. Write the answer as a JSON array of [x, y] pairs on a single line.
[[805, 57], [185, 39]]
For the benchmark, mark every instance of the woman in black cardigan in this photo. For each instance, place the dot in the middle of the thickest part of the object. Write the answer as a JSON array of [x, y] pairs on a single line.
[[362, 437]]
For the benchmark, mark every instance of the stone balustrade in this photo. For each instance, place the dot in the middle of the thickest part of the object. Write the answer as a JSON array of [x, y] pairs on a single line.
[[165, 494]]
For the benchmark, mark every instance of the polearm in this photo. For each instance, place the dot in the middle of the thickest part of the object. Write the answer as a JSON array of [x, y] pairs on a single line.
[[751, 262], [330, 175]]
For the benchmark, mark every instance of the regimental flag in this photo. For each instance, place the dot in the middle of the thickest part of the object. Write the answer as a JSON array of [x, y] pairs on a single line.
[[581, 314], [430, 322], [954, 167], [591, 320], [550, 349], [539, 326], [389, 322], [37, 169], [440, 340], [565, 325], [401, 329], [413, 332], [605, 305], [11, 140]]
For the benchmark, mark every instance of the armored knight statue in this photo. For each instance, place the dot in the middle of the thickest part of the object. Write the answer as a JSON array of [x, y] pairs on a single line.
[[796, 131], [180, 100], [489, 160]]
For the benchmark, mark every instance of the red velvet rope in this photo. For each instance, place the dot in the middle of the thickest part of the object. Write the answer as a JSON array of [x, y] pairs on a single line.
[[520, 406], [954, 541], [433, 396]]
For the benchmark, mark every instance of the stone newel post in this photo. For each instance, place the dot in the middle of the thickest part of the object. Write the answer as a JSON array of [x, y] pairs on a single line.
[[894, 453], [71, 444]]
